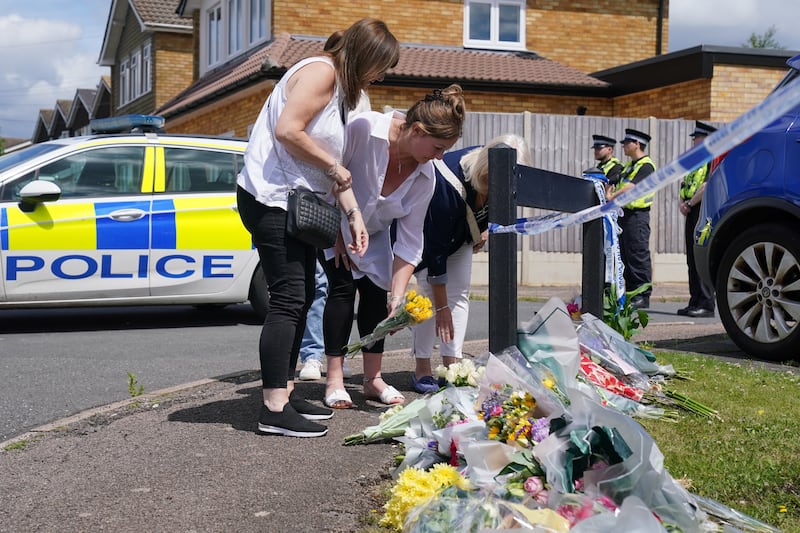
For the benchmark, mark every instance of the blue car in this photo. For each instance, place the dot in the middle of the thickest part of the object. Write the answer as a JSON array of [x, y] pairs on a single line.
[[747, 239]]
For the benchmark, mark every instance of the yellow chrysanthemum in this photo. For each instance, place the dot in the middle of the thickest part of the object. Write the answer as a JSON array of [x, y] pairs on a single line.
[[414, 487]]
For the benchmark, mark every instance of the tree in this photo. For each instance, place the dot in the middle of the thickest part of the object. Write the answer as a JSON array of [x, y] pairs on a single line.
[[767, 40]]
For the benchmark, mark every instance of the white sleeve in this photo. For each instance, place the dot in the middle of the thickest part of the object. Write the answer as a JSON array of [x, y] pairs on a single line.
[[410, 239]]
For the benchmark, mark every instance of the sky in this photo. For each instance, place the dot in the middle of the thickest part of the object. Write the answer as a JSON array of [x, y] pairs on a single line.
[[51, 47]]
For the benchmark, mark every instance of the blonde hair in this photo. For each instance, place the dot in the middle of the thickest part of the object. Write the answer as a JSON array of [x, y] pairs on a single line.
[[476, 163], [362, 52], [440, 114]]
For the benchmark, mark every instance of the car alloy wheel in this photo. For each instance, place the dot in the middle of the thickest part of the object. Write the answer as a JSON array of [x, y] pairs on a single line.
[[758, 291]]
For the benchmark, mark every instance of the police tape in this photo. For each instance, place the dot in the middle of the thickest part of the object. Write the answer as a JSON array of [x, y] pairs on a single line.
[[716, 144]]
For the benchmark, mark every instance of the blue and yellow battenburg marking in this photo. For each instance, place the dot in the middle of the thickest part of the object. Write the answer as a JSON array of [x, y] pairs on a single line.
[[190, 224]]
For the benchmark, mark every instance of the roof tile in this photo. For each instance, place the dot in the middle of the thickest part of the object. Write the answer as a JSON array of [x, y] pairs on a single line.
[[160, 12], [416, 62]]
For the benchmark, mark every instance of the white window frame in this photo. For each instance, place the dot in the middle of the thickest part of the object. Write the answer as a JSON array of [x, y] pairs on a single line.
[[214, 26], [124, 83], [136, 75], [240, 26], [147, 68], [494, 41], [259, 25], [236, 26]]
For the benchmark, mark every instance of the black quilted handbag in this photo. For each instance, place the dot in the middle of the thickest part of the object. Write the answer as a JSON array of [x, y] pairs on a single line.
[[311, 219]]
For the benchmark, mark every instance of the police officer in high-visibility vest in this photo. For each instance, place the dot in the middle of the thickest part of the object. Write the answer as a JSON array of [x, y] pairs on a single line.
[[701, 296], [634, 241], [604, 155]]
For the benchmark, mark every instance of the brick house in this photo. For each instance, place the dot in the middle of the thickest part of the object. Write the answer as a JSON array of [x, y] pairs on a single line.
[[498, 72], [540, 61], [149, 50]]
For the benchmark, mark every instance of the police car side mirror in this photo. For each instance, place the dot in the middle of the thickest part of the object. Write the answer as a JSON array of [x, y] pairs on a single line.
[[36, 192]]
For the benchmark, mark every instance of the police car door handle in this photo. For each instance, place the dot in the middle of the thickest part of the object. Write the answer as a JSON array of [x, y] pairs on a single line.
[[127, 215]]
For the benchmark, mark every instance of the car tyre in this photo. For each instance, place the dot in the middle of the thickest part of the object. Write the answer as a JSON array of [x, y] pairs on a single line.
[[758, 291], [259, 293]]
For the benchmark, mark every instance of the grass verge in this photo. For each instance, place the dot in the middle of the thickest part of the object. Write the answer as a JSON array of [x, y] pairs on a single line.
[[750, 460]]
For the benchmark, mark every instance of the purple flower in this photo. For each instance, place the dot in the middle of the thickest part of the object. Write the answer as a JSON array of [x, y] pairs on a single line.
[[540, 429]]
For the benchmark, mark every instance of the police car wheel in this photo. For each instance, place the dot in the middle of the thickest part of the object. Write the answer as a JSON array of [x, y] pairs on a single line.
[[259, 295], [756, 291]]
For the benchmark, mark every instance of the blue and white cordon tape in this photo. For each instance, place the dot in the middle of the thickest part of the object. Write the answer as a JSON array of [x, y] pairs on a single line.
[[716, 144]]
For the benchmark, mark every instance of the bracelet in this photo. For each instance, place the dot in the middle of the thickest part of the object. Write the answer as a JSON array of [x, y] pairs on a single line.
[[331, 172], [442, 308], [352, 210]]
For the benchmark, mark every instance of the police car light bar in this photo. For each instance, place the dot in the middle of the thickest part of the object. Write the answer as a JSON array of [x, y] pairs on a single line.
[[127, 123]]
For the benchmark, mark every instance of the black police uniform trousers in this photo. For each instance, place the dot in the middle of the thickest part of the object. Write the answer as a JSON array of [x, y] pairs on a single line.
[[634, 247], [701, 296]]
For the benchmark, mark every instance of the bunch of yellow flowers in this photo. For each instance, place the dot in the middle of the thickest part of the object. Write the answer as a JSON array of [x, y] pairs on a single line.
[[418, 306]]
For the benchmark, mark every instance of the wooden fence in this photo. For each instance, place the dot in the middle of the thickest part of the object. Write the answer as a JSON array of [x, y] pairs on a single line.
[[562, 143]]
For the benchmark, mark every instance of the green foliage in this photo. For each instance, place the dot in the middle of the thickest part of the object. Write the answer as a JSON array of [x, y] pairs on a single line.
[[18, 445], [134, 388], [628, 320], [767, 40]]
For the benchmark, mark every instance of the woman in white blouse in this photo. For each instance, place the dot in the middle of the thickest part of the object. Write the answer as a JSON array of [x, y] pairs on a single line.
[[390, 158]]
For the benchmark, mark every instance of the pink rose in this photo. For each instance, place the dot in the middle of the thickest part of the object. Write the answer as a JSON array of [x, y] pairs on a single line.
[[534, 485], [542, 497]]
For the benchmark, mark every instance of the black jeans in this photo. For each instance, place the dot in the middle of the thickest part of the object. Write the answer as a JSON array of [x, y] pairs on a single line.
[[634, 247], [700, 295], [289, 266], [337, 320]]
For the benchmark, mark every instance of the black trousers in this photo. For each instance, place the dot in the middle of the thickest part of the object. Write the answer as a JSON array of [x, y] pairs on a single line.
[[634, 247], [701, 296], [289, 266], [337, 320]]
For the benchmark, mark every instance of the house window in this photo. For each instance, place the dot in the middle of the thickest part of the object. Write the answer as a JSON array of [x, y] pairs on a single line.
[[231, 27], [124, 83], [147, 67], [495, 24], [214, 34], [258, 20], [136, 75], [235, 30]]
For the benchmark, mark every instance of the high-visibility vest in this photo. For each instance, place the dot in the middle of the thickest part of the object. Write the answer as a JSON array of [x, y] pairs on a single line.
[[692, 181], [629, 173], [608, 165]]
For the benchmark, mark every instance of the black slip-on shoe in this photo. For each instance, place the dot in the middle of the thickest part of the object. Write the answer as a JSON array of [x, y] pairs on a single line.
[[288, 422], [308, 410], [684, 311]]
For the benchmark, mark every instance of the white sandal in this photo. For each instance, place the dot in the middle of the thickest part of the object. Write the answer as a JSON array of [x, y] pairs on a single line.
[[388, 396], [338, 396]]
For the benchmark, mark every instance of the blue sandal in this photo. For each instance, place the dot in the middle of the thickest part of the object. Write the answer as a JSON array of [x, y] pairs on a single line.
[[425, 384]]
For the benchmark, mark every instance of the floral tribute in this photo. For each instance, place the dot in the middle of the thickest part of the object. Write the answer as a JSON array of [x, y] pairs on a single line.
[[415, 309], [545, 441]]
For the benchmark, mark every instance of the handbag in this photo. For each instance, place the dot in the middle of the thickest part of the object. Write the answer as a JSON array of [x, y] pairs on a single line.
[[311, 219]]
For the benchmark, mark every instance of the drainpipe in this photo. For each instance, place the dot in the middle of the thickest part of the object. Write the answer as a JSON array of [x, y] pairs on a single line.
[[659, 27]]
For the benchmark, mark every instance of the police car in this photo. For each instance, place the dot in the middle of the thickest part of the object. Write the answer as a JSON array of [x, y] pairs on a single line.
[[120, 219]]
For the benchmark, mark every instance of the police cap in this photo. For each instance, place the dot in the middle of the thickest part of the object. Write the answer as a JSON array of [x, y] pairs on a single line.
[[636, 135], [701, 128], [599, 141]]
